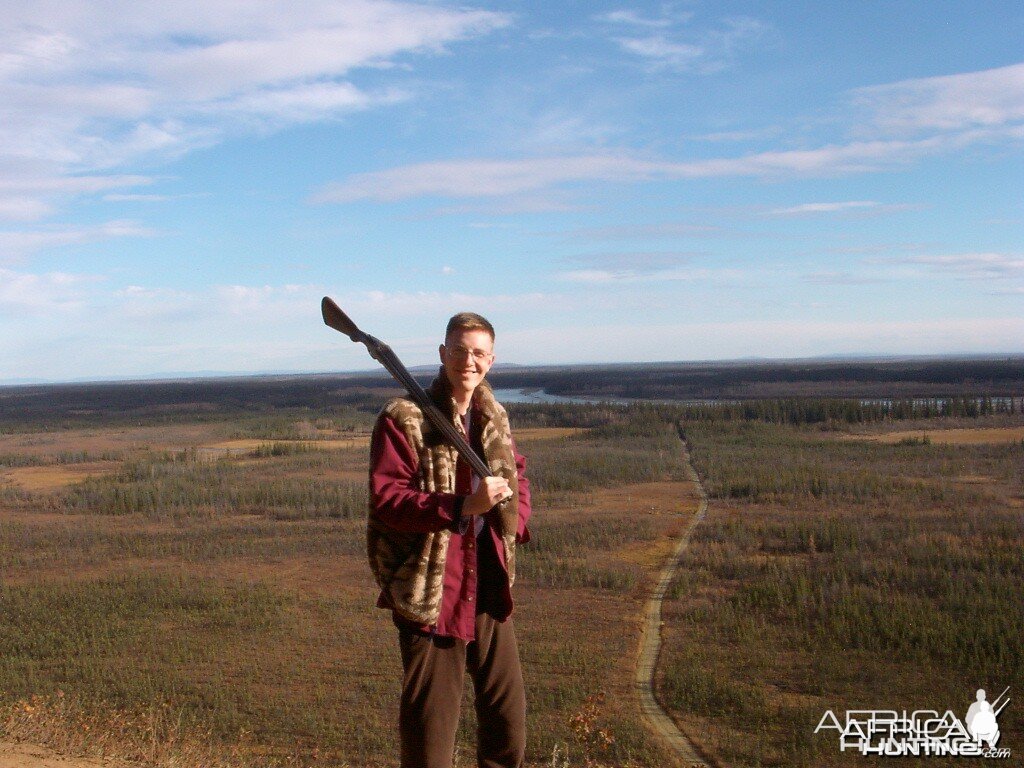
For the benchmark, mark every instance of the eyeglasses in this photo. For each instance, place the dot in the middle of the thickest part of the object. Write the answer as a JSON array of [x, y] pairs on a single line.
[[460, 352]]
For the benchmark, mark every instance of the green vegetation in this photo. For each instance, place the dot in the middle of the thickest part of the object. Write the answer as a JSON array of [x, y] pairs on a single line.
[[808, 379], [61, 458], [178, 485], [840, 575], [837, 412], [227, 592], [764, 463], [232, 594], [629, 445]]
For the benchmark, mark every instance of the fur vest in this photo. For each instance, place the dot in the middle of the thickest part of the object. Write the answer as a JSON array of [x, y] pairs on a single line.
[[409, 567]]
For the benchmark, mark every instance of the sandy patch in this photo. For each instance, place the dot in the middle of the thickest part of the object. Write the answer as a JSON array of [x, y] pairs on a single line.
[[545, 433], [949, 436], [250, 446], [974, 479], [32, 756], [54, 478], [113, 439], [666, 497]]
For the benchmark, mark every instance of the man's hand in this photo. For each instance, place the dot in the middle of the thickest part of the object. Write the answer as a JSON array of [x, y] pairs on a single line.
[[491, 491]]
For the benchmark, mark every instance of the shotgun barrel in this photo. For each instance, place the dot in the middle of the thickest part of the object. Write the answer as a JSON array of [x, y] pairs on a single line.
[[382, 353]]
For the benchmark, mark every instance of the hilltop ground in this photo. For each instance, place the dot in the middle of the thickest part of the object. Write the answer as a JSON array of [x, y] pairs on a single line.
[[32, 756]]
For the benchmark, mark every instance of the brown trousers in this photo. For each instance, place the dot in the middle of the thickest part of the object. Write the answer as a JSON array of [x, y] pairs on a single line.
[[434, 668]]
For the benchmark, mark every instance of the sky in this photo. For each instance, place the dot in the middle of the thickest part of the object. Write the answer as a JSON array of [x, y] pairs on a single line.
[[181, 182]]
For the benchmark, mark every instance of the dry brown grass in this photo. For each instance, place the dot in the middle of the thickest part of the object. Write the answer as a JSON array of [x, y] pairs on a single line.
[[546, 433], [15, 755], [791, 603], [966, 436], [54, 478], [249, 446], [324, 668], [168, 437], [82, 737]]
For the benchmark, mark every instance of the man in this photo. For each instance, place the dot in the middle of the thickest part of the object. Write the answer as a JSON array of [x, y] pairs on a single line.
[[442, 544]]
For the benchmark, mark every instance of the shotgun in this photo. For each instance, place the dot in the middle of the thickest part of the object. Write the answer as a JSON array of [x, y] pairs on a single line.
[[381, 352]]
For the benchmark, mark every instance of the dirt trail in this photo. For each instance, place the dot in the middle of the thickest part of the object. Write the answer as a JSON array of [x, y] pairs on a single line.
[[650, 643]]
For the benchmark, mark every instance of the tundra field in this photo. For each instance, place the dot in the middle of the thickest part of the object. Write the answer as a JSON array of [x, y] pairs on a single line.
[[184, 583]]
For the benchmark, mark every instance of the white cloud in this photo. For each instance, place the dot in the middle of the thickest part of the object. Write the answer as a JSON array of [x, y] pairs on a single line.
[[142, 198], [88, 86], [823, 207], [960, 110], [482, 178], [28, 194], [634, 261], [972, 265], [754, 134], [632, 18], [649, 342], [491, 178], [78, 325], [630, 267], [662, 51], [665, 42], [842, 278], [138, 329], [627, 266], [837, 159], [15, 245], [298, 104], [875, 249], [627, 276], [988, 98], [24, 293], [23, 209], [16, 179], [330, 41], [564, 128], [663, 230], [546, 201], [849, 208]]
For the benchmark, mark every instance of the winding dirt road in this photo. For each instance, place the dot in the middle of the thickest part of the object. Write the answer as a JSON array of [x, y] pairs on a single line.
[[650, 642]]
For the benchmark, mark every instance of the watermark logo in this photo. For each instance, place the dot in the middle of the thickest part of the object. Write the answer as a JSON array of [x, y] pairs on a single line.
[[981, 719], [923, 732]]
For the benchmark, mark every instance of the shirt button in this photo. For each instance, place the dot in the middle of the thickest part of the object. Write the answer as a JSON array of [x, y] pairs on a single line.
[[470, 570], [470, 598]]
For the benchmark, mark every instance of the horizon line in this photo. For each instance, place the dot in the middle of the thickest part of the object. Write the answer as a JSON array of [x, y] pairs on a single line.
[[185, 376]]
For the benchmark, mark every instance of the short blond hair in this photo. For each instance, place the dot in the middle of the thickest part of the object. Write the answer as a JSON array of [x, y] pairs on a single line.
[[468, 321]]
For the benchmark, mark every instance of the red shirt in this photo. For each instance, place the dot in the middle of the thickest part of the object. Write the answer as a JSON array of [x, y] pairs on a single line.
[[475, 576]]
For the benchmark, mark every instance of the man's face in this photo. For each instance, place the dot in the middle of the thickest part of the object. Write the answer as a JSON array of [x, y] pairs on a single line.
[[467, 356]]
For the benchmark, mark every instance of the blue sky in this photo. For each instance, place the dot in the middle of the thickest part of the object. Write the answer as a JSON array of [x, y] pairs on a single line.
[[180, 183]]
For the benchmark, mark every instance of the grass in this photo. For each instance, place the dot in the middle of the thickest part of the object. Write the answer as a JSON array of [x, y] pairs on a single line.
[[766, 463], [33, 548], [842, 575], [177, 485], [154, 736], [234, 594]]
